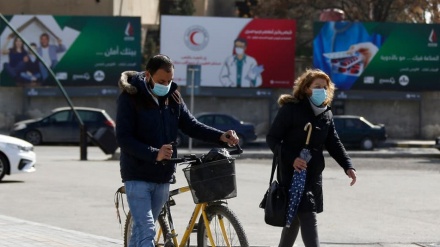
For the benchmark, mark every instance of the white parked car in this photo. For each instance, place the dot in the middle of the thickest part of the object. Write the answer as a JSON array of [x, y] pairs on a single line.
[[16, 156]]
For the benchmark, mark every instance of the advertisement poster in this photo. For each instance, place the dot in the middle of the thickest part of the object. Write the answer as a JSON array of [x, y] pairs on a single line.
[[81, 51], [230, 52], [378, 56]]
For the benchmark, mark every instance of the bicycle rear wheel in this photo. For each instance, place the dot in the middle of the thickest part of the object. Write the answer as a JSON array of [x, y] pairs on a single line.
[[233, 230], [162, 229]]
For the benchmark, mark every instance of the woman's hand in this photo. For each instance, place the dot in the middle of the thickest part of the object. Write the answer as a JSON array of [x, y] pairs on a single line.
[[351, 173], [299, 164], [367, 49]]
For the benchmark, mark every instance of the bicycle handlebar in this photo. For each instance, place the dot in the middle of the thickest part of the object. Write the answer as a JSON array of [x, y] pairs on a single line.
[[237, 150], [192, 158]]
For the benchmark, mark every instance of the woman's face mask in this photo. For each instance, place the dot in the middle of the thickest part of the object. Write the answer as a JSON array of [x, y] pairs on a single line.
[[318, 96], [159, 89]]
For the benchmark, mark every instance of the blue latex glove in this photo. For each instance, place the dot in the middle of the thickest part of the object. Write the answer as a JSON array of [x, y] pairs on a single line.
[[257, 70]]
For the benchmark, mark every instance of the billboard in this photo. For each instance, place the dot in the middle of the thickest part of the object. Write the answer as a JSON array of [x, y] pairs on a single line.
[[82, 51], [378, 56], [230, 52]]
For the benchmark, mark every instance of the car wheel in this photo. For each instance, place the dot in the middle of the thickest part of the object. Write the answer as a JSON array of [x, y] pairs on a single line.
[[367, 143], [34, 137], [3, 166]]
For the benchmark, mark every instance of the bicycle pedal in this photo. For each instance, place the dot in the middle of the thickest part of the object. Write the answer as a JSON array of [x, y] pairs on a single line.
[[170, 235]]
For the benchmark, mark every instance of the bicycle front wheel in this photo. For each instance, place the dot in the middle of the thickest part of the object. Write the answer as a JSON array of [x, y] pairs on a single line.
[[225, 227]]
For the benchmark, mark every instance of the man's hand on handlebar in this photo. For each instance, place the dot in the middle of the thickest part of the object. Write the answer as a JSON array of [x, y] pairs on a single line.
[[165, 152], [230, 137]]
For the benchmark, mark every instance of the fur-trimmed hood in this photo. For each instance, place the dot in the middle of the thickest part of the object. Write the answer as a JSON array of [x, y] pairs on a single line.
[[132, 82], [127, 77]]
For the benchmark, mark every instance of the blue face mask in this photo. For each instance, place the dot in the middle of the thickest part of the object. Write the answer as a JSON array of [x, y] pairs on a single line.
[[160, 90], [318, 96]]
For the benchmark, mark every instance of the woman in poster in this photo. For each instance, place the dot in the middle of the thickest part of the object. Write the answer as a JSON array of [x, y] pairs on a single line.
[[17, 56]]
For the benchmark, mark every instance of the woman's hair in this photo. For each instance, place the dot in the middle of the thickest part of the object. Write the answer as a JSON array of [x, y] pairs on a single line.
[[303, 82], [14, 44]]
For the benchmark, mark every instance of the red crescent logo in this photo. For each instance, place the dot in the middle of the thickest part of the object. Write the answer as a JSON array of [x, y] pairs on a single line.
[[191, 38], [196, 38]]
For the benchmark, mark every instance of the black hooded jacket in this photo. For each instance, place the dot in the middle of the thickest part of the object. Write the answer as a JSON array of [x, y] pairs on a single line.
[[287, 134], [143, 126]]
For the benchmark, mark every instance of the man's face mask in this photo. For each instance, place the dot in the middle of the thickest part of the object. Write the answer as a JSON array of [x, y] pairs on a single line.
[[239, 50], [159, 89]]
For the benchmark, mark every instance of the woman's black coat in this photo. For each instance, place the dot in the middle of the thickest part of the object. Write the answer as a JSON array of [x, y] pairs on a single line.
[[287, 132]]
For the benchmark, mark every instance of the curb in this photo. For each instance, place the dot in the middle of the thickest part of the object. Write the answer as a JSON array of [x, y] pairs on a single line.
[[411, 145], [389, 149], [395, 151]]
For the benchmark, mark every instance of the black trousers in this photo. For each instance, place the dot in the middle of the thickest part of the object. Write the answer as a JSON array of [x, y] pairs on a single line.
[[309, 230]]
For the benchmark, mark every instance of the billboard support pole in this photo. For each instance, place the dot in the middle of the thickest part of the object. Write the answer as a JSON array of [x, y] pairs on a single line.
[[83, 131], [193, 70]]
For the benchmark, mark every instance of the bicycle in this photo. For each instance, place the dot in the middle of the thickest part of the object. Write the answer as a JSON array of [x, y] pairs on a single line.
[[217, 224]]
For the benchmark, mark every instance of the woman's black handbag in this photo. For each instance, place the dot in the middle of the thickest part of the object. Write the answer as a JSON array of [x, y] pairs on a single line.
[[275, 200]]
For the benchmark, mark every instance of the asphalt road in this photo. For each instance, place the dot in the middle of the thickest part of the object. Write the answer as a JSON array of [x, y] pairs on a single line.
[[395, 200]]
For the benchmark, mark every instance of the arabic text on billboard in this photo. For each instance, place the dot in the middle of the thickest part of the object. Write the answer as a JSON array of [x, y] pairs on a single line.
[[81, 51]]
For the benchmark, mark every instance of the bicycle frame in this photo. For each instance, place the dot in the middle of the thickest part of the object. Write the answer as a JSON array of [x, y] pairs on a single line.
[[198, 209], [207, 213]]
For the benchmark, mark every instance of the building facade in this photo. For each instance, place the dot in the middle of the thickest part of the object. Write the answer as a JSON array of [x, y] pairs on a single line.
[[405, 114]]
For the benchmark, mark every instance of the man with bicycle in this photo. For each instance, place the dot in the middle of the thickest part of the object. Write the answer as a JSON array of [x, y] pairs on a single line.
[[150, 111]]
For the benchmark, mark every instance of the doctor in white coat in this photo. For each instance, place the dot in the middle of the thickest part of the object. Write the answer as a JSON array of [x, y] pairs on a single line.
[[240, 69]]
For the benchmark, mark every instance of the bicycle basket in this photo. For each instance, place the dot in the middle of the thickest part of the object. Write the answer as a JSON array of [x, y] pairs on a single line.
[[212, 180]]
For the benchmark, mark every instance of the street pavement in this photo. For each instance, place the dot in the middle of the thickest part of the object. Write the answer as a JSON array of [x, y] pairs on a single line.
[[15, 232], [21, 233]]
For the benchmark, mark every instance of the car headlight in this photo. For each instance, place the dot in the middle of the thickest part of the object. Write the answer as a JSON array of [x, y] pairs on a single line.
[[19, 127], [20, 147]]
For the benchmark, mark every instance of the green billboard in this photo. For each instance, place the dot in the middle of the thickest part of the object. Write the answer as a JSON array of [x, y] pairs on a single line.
[[378, 56], [81, 50]]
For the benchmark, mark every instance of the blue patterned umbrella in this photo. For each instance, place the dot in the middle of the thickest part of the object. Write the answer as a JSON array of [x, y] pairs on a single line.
[[298, 181]]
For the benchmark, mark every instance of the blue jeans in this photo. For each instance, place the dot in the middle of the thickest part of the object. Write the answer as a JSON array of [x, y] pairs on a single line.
[[14, 71], [30, 78], [145, 201]]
